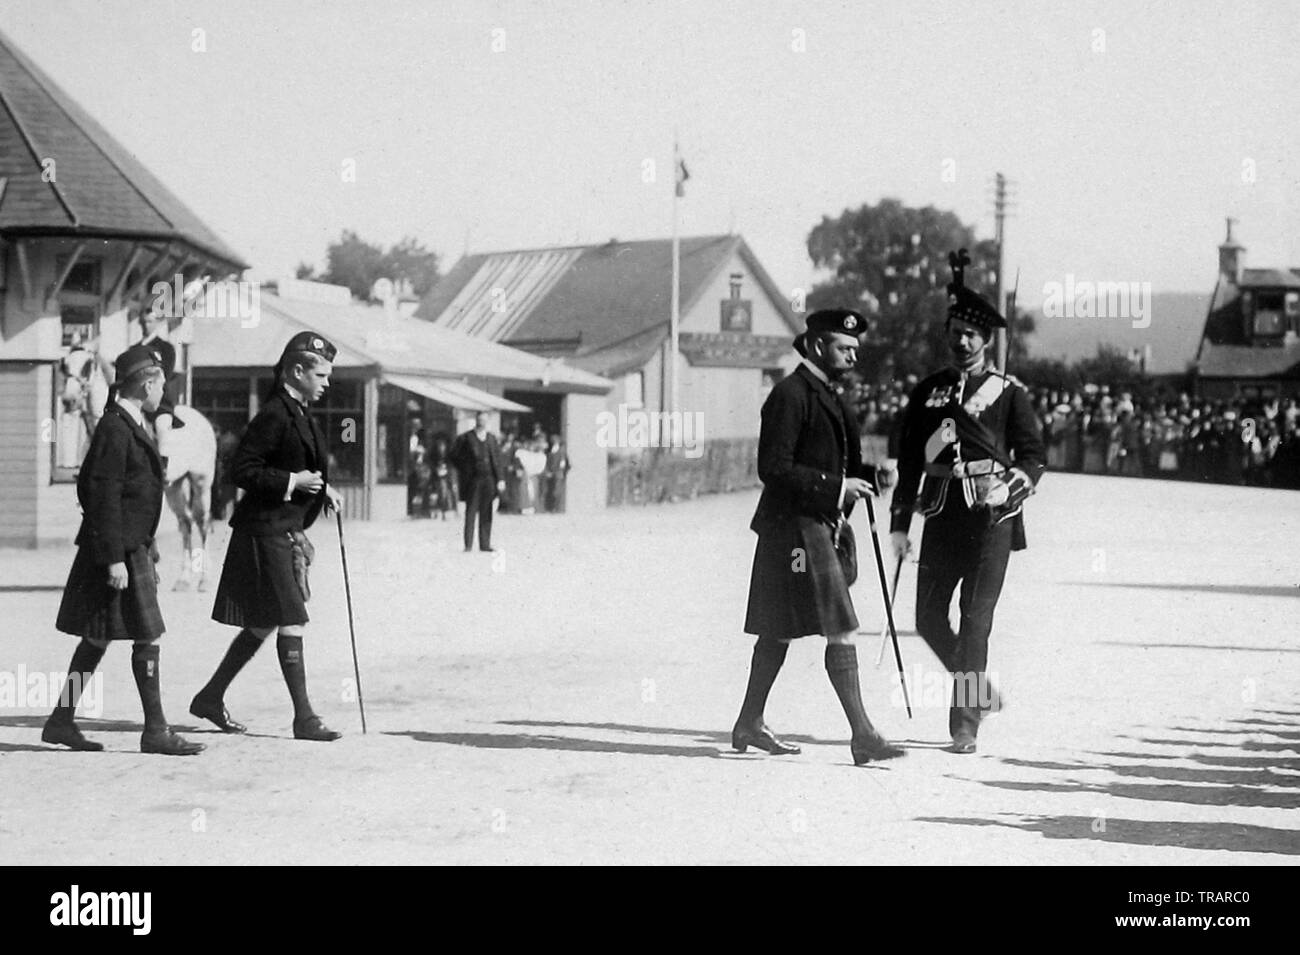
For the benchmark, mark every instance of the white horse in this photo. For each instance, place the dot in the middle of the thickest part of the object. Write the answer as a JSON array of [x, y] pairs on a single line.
[[191, 458]]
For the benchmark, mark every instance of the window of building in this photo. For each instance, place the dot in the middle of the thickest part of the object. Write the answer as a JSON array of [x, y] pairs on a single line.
[[341, 416], [634, 389], [1269, 321], [399, 422]]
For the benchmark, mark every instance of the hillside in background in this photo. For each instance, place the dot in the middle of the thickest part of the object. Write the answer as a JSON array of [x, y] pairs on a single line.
[[1176, 322]]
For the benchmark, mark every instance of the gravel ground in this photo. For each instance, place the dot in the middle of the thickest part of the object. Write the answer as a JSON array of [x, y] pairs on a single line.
[[569, 700]]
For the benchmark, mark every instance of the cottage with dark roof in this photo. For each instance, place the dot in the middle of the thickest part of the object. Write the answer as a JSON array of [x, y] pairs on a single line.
[[1251, 344]]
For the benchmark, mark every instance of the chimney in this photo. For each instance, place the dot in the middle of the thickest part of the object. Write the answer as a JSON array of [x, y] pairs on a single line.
[[1230, 257]]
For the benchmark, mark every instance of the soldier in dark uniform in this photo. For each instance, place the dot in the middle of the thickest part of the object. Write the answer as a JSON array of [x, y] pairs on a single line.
[[971, 451], [481, 468], [282, 463], [112, 589], [810, 463]]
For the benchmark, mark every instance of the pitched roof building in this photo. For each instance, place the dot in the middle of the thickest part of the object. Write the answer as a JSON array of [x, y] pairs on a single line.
[[1250, 346], [85, 229], [606, 309], [62, 174], [394, 376]]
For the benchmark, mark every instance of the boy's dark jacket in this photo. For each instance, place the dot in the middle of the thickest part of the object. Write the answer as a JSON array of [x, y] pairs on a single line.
[[120, 488], [282, 439]]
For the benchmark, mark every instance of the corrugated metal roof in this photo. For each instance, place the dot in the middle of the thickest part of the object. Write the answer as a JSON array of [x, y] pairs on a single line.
[[455, 394], [367, 336], [606, 294], [99, 187]]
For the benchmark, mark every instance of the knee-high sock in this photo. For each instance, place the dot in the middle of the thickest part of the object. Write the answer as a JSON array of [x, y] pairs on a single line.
[[84, 661], [295, 674], [842, 668], [763, 668], [239, 652], [144, 666]]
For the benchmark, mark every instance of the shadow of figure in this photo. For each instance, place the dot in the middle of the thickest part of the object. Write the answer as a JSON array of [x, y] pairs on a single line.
[[718, 737], [87, 723], [1222, 836], [1238, 590], [564, 743], [1229, 768]]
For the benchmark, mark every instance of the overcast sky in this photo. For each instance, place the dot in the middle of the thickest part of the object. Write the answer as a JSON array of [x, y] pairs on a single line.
[[1129, 133]]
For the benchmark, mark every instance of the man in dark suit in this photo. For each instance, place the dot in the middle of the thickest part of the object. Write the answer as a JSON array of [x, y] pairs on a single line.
[[810, 463], [481, 471], [282, 463], [971, 451], [112, 589]]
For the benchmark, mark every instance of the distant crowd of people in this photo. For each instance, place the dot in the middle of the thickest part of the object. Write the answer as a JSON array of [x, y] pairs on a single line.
[[1100, 431], [535, 470], [1227, 442]]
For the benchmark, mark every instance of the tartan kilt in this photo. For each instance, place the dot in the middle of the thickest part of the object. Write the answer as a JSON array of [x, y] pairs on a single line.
[[788, 598], [91, 608], [258, 587]]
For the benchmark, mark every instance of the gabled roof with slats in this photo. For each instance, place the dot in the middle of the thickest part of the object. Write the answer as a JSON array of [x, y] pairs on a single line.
[[607, 306]]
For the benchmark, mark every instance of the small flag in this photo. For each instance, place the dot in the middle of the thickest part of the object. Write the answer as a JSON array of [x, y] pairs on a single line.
[[682, 176]]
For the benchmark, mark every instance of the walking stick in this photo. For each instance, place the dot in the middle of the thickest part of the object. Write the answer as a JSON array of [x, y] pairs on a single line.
[[889, 605], [347, 588], [893, 596]]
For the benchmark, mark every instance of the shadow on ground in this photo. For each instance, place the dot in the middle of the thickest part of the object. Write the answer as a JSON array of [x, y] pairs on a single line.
[[1222, 836], [1237, 590], [1235, 772]]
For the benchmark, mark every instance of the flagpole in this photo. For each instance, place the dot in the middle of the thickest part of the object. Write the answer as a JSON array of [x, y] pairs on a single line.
[[675, 319]]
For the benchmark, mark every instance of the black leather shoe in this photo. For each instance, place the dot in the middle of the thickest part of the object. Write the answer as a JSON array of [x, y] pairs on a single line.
[[761, 738], [166, 743], [313, 728], [69, 735], [964, 743], [216, 714], [873, 747]]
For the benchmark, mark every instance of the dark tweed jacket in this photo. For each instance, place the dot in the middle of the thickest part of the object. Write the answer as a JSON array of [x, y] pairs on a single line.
[[281, 439], [808, 442], [120, 488]]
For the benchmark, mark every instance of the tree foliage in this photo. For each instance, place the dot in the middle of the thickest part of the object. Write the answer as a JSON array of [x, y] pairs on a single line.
[[891, 261], [353, 262]]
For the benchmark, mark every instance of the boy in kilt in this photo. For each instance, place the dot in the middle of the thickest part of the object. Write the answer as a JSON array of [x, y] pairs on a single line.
[[810, 463], [282, 463], [112, 588]]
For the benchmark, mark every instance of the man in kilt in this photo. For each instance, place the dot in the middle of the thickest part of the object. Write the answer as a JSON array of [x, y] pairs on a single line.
[[810, 463], [282, 463], [112, 589], [971, 451]]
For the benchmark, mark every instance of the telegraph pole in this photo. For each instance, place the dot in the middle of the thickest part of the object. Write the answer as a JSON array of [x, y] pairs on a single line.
[[1001, 337]]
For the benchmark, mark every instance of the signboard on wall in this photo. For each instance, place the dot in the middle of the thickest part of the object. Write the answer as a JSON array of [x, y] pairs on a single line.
[[733, 349], [737, 314]]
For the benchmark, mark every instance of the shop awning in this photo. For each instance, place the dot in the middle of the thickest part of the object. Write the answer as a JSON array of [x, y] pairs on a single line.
[[454, 394]]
